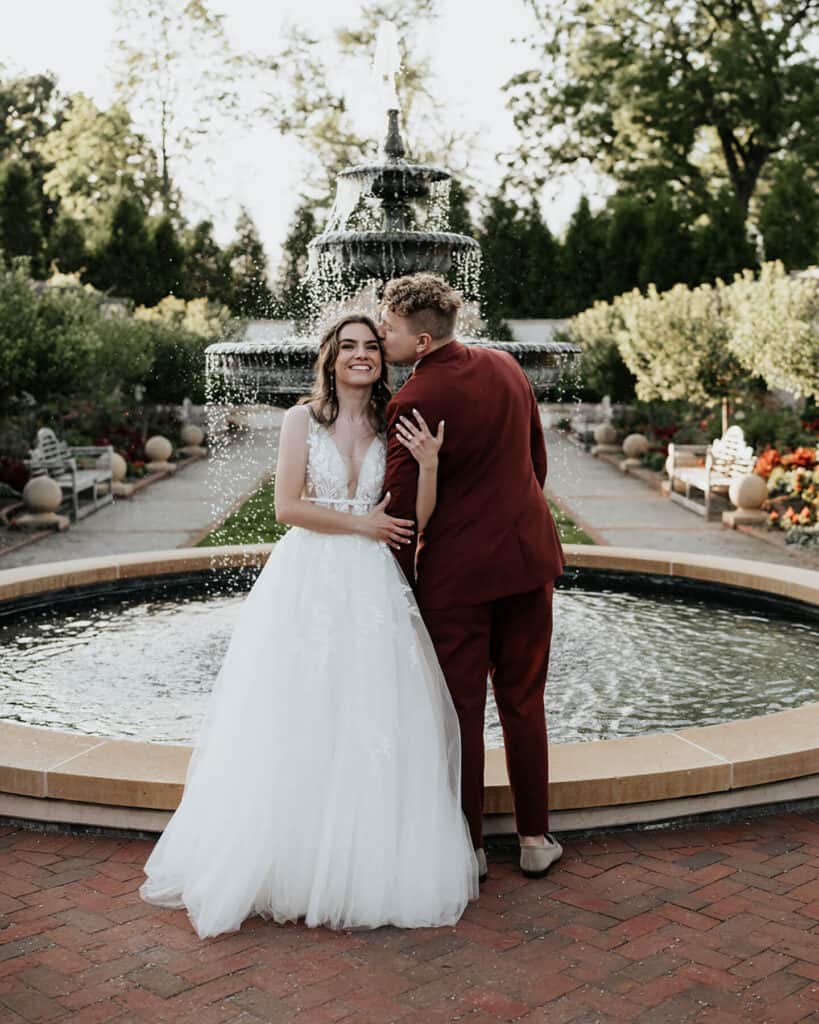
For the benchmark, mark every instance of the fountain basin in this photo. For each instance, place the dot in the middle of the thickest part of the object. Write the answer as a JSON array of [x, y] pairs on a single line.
[[280, 372], [380, 255], [56, 776]]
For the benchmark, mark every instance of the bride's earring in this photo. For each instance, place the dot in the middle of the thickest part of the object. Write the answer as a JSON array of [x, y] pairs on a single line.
[[332, 384]]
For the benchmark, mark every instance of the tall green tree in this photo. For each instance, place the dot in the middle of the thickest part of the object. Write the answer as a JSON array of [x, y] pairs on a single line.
[[105, 141], [583, 259], [207, 265], [696, 92], [31, 107], [167, 259], [292, 299], [177, 67], [626, 240], [667, 256], [721, 244], [789, 217], [520, 260], [251, 295], [21, 232], [67, 248], [124, 262]]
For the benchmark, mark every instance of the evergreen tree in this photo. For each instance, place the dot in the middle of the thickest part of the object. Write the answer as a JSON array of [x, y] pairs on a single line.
[[21, 232], [66, 245], [31, 108], [460, 219], [722, 247], [123, 264], [207, 266], [291, 298], [250, 293], [625, 243], [168, 259], [667, 256], [520, 261], [789, 218], [583, 260]]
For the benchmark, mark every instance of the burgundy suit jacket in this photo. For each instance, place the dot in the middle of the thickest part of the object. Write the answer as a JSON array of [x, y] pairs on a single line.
[[492, 533]]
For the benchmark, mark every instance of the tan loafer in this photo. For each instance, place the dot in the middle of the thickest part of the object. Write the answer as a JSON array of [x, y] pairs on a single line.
[[535, 861], [483, 869]]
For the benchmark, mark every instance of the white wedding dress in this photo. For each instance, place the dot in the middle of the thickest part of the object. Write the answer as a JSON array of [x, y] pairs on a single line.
[[325, 784]]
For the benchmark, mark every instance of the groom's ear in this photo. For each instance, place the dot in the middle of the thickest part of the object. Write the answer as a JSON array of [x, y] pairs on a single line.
[[423, 345]]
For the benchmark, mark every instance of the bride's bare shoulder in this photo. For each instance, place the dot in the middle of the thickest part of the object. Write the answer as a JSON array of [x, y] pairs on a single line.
[[296, 422]]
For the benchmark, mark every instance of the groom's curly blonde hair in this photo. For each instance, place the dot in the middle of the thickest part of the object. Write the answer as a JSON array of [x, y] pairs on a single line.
[[427, 301]]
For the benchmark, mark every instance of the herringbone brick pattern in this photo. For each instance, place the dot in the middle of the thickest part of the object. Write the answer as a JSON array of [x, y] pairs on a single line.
[[714, 924]]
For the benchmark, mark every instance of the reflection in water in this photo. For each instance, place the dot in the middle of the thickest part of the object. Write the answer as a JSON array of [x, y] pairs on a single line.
[[621, 665]]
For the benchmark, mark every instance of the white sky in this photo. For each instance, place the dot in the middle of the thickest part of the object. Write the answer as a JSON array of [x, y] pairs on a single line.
[[471, 48]]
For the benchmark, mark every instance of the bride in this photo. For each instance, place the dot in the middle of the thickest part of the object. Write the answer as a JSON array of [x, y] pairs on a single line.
[[325, 783]]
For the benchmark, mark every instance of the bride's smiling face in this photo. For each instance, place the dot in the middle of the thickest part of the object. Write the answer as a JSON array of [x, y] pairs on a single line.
[[358, 363]]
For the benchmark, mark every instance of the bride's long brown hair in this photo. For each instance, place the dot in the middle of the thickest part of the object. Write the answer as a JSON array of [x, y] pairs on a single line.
[[324, 397]]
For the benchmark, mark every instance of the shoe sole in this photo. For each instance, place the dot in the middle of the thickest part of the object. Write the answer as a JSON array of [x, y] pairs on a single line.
[[535, 874]]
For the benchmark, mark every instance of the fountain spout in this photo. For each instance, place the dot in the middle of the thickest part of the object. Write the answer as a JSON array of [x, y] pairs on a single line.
[[394, 151]]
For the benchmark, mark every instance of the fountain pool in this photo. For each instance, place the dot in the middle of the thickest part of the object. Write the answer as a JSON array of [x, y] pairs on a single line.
[[53, 774], [624, 662]]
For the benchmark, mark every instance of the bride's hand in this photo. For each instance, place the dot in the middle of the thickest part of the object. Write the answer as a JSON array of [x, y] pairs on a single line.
[[379, 526], [422, 445]]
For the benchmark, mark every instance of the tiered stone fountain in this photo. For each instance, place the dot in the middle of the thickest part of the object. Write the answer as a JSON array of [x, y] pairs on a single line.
[[279, 372]]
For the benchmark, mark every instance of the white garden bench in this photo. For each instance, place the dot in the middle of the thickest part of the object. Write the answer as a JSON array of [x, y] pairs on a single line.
[[86, 489], [726, 458]]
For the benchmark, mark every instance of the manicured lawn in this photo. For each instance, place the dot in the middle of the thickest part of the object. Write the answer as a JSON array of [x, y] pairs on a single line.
[[569, 533], [254, 522]]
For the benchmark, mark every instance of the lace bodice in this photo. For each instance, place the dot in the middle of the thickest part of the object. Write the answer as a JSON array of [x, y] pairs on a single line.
[[327, 472]]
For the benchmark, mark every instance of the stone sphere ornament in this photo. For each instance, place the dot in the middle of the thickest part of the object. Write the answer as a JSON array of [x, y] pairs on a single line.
[[117, 465], [42, 494], [605, 434], [748, 492], [635, 445], [192, 435], [158, 448]]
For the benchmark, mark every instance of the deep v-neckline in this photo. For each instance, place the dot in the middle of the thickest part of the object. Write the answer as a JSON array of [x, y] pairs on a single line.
[[343, 461]]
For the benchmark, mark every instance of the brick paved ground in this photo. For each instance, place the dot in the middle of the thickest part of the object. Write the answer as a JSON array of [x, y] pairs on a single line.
[[708, 923]]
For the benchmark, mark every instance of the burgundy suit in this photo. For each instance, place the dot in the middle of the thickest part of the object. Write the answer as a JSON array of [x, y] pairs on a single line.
[[486, 561]]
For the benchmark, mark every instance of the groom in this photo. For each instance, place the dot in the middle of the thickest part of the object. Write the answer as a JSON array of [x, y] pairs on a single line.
[[488, 558]]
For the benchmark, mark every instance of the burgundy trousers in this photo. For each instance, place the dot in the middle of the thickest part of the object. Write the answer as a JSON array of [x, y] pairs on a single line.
[[508, 640]]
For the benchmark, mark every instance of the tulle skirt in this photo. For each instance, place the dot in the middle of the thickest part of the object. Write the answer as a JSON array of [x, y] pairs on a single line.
[[325, 782]]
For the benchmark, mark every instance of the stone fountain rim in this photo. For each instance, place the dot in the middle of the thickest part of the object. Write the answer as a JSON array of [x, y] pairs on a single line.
[[422, 171], [397, 237], [311, 347]]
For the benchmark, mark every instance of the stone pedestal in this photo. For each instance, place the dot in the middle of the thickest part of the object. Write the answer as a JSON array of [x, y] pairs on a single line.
[[744, 517], [42, 521], [123, 490], [628, 464], [606, 449], [161, 467], [193, 449]]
